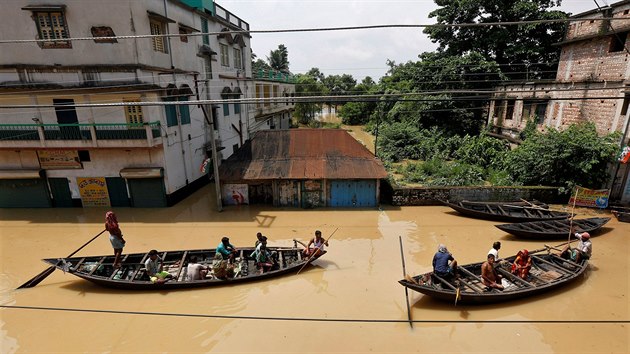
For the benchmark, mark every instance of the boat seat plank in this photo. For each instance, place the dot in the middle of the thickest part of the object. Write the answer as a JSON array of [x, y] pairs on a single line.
[[133, 276], [281, 259], [181, 265], [79, 263], [475, 277], [553, 265], [443, 281], [566, 260], [513, 277], [122, 262], [100, 262]]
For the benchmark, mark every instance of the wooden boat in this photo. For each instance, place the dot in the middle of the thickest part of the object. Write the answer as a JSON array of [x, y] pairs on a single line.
[[132, 274], [505, 212], [553, 229], [622, 216], [549, 271]]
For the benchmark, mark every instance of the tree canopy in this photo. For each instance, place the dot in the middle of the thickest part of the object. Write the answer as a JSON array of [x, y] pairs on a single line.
[[523, 51]]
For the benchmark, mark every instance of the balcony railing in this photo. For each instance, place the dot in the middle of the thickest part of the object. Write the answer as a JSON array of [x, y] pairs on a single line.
[[274, 75], [87, 133]]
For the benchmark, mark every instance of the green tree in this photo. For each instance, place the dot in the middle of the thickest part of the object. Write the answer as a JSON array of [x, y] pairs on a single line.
[[575, 156], [279, 59], [307, 86], [359, 112], [518, 49], [437, 72], [259, 65]]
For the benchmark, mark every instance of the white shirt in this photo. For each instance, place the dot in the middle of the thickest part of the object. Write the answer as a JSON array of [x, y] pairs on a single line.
[[494, 252], [585, 246]]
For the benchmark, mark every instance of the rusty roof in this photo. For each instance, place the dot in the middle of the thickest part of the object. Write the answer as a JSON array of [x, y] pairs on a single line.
[[301, 154]]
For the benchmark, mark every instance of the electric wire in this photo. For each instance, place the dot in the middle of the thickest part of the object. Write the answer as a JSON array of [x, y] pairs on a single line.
[[305, 319], [313, 29]]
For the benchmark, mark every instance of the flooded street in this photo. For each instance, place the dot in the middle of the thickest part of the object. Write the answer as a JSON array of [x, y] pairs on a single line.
[[348, 301]]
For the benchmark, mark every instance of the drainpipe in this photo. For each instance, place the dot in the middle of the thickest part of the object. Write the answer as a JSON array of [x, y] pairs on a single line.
[[177, 107]]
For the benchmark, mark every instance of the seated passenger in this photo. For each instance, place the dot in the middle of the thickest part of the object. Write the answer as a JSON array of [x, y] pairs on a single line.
[[155, 268], [583, 250], [226, 249], [221, 268], [489, 274], [441, 265], [195, 271], [522, 264], [264, 260]]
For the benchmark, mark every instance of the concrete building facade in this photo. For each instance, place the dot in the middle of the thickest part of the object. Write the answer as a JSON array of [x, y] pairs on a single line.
[[90, 118]]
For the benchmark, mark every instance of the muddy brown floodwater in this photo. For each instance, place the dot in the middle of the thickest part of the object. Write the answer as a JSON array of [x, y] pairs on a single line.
[[348, 301]]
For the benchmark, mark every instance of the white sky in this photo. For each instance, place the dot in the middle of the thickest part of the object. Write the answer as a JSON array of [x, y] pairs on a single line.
[[357, 52]]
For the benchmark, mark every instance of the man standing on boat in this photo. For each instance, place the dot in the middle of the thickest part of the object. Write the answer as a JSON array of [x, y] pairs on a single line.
[[441, 265]]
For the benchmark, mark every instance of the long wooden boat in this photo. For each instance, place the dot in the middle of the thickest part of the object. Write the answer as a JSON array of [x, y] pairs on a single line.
[[553, 229], [505, 212], [548, 272], [622, 216], [132, 274]]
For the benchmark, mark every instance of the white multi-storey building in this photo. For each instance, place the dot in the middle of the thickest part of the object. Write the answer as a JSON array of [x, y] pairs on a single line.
[[84, 113]]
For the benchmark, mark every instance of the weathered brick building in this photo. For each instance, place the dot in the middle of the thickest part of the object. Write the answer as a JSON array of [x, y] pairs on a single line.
[[592, 84]]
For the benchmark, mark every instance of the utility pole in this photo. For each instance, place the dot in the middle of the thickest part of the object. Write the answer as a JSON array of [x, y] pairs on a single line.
[[215, 161]]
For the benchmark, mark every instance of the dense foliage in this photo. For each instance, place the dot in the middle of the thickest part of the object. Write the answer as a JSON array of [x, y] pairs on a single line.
[[524, 51], [576, 155]]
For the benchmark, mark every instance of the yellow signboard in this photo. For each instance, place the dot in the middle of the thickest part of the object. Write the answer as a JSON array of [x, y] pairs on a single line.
[[594, 198], [93, 191], [59, 159]]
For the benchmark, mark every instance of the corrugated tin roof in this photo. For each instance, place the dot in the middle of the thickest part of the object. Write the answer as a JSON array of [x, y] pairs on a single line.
[[301, 154]]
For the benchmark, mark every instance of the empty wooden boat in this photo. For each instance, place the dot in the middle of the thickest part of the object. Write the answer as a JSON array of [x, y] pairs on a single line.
[[553, 229], [505, 212], [132, 274], [548, 272]]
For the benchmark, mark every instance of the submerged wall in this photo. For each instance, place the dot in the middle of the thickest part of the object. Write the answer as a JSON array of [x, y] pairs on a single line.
[[433, 195]]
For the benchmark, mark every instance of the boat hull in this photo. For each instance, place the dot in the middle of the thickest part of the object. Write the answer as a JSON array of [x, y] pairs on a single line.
[[505, 212], [132, 275], [473, 292], [553, 229]]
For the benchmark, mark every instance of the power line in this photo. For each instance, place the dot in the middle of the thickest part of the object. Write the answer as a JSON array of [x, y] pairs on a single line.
[[313, 29], [305, 319]]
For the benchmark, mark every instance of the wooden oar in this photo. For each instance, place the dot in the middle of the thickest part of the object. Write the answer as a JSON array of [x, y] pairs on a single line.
[[532, 204], [548, 247], [402, 256], [316, 250], [43, 275]]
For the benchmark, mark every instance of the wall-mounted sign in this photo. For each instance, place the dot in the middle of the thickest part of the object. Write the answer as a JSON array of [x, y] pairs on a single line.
[[59, 159], [93, 191], [235, 194], [594, 198]]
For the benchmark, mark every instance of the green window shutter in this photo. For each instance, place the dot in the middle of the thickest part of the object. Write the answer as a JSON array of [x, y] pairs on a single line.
[[171, 113], [204, 29], [226, 109], [237, 108], [184, 111]]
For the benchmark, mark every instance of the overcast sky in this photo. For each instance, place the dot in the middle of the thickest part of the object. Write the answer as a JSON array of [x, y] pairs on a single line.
[[357, 52]]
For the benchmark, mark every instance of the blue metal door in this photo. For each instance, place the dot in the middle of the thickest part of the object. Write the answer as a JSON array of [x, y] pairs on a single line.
[[353, 193]]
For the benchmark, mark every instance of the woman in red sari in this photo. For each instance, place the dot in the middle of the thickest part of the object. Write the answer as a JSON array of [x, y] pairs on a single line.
[[522, 264]]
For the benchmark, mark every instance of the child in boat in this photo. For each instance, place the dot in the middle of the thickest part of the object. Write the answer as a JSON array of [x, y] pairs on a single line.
[[221, 268]]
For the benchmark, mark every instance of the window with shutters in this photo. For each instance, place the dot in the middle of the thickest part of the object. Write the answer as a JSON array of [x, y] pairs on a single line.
[[53, 28], [159, 42], [238, 59], [134, 113], [225, 56]]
